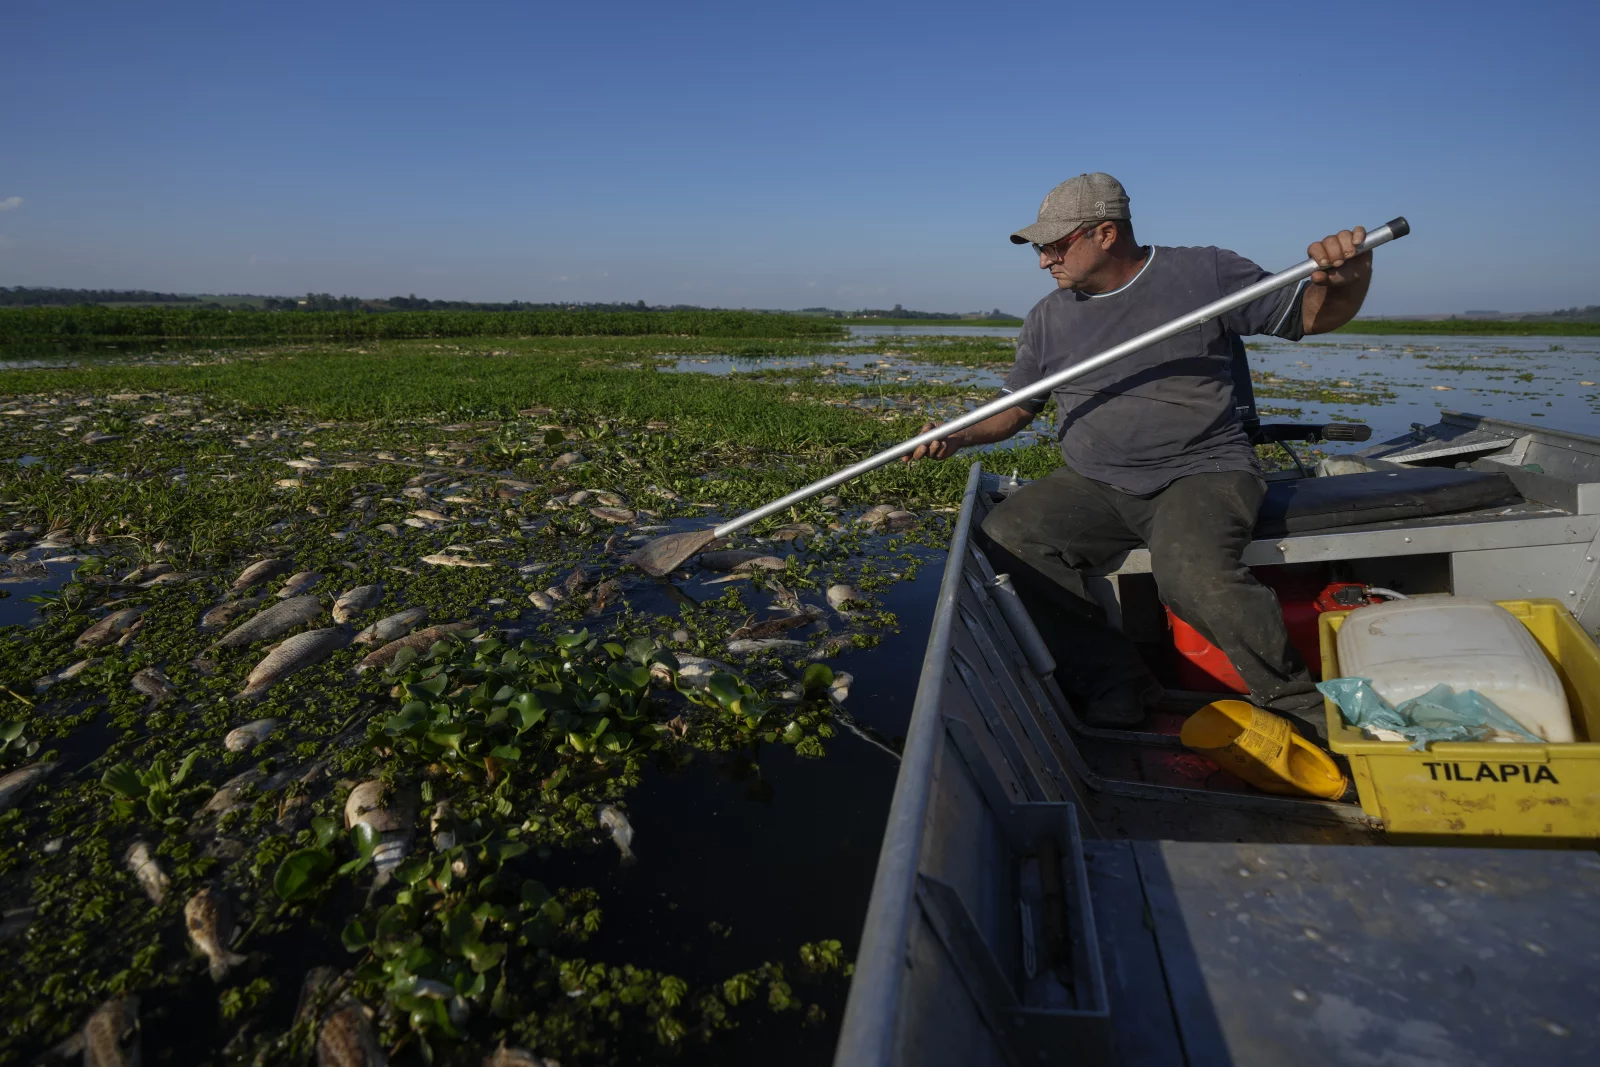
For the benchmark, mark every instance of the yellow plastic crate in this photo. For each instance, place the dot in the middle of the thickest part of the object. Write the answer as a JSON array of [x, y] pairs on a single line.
[[1486, 787]]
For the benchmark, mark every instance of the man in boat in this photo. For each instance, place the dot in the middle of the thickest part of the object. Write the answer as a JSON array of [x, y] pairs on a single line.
[[1155, 451]]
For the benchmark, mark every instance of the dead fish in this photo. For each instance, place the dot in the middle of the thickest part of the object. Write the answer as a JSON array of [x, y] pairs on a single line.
[[66, 674], [210, 923], [445, 559], [899, 520], [171, 578], [430, 515], [249, 735], [696, 671], [15, 785], [298, 583], [14, 571], [392, 813], [516, 1057], [761, 563], [541, 601], [793, 530], [834, 645], [109, 628], [146, 572], [603, 594], [110, 1036], [353, 602], [876, 515], [442, 826], [839, 688], [155, 685], [840, 595], [770, 627], [274, 622], [296, 653], [613, 819], [747, 647], [615, 515], [421, 640], [139, 860], [225, 612], [727, 559], [231, 795], [315, 989], [347, 1040], [568, 459], [260, 571], [385, 630]]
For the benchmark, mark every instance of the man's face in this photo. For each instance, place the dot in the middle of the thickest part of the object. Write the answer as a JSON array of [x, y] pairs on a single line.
[[1077, 256]]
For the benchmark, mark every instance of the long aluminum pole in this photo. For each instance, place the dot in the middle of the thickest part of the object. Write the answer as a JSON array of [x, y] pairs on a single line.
[[1381, 236]]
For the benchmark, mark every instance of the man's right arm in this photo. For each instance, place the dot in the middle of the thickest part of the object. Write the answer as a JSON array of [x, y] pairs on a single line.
[[994, 428]]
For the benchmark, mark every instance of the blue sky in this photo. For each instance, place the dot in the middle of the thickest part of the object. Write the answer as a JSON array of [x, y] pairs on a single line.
[[775, 155]]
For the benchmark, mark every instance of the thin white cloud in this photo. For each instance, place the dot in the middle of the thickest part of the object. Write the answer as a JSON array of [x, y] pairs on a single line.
[[10, 202]]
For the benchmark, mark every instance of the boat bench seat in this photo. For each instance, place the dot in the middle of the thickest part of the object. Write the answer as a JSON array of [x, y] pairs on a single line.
[[1307, 504]]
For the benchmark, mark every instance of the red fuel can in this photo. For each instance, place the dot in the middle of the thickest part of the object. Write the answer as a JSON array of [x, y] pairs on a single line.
[[1203, 667]]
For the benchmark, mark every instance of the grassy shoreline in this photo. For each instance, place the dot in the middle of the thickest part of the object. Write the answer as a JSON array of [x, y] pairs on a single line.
[[1473, 327]]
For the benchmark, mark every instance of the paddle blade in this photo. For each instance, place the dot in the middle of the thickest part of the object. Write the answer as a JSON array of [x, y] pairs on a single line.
[[664, 555]]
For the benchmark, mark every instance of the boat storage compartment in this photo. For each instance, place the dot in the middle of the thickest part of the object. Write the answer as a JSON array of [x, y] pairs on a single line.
[[1489, 787]]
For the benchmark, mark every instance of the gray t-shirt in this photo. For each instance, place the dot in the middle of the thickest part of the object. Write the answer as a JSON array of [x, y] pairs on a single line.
[[1167, 411]]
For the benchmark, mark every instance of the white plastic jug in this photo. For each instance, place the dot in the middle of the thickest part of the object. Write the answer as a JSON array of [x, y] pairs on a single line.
[[1409, 646]]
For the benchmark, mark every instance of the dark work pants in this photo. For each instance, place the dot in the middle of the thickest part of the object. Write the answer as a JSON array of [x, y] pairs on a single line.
[[1049, 531]]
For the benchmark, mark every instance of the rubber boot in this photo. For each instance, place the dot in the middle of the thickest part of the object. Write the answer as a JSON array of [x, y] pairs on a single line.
[[1264, 750]]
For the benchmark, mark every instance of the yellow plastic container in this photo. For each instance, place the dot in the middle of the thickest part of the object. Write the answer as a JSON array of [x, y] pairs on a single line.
[[1263, 749], [1462, 787]]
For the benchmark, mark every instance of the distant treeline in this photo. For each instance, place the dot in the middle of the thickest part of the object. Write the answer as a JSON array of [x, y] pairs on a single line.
[[1479, 327], [22, 296], [328, 302], [898, 312], [44, 324]]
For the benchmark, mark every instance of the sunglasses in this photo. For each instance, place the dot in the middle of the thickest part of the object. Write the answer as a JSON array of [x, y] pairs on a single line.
[[1057, 250]]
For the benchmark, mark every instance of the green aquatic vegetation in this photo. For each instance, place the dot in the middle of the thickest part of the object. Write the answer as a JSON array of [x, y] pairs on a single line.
[[1473, 327], [30, 324], [161, 792]]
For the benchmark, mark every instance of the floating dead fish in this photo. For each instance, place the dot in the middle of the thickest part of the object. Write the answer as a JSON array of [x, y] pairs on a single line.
[[260, 571], [430, 515], [109, 628], [568, 459], [210, 923], [445, 559], [66, 674], [249, 735], [516, 1057], [171, 578], [770, 644], [696, 671], [15, 785], [347, 1040], [541, 601], [385, 630], [608, 498], [273, 622], [761, 563], [353, 602], [97, 437], [13, 571], [613, 515], [296, 653], [614, 820], [231, 794], [350, 465], [830, 501], [392, 813], [389, 528], [225, 612], [839, 688], [603, 594], [142, 864], [835, 645], [727, 559], [146, 572], [793, 530], [153, 684], [304, 464], [899, 520], [288, 483], [421, 641], [298, 584], [109, 1038], [840, 595], [771, 627]]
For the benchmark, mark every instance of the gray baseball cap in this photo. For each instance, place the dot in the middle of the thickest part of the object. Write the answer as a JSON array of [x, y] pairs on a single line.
[[1075, 202]]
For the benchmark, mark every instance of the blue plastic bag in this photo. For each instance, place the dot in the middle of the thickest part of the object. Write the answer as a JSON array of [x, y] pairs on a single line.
[[1440, 714]]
